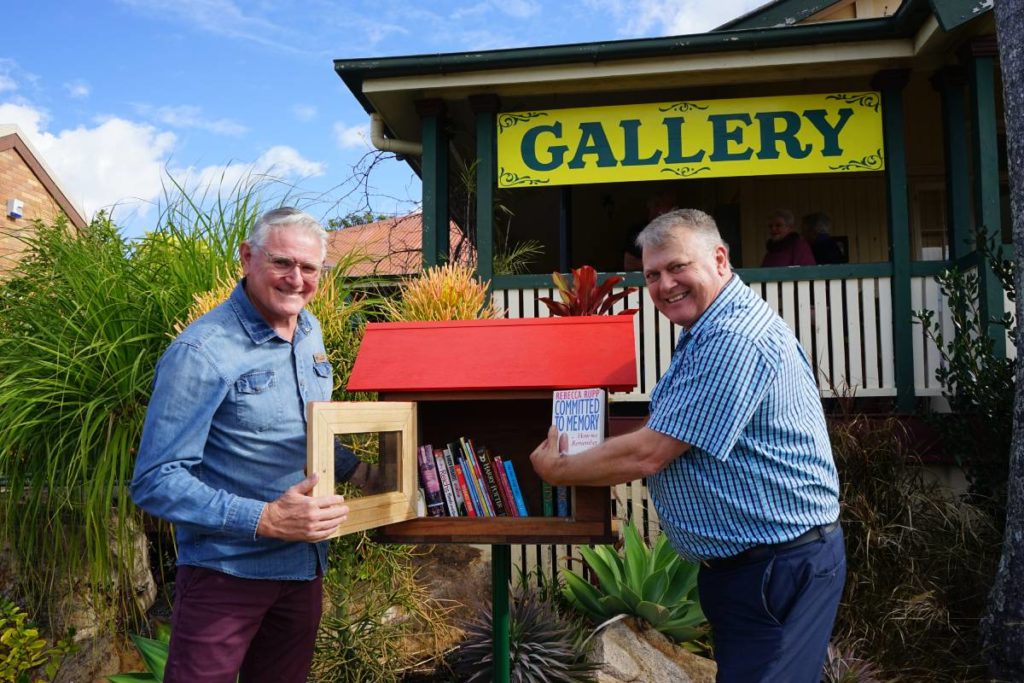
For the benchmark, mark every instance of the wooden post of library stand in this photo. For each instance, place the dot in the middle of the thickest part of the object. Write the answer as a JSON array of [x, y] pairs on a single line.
[[489, 381]]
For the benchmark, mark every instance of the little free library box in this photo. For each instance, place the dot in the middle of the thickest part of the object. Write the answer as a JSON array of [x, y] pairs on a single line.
[[490, 381]]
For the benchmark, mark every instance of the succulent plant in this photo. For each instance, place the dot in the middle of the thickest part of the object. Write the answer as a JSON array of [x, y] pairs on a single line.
[[654, 584], [584, 296], [545, 647]]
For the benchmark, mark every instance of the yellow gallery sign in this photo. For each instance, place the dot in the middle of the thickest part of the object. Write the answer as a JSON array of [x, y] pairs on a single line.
[[830, 133]]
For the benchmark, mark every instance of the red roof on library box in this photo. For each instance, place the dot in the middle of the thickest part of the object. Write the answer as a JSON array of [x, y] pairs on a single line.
[[502, 354]]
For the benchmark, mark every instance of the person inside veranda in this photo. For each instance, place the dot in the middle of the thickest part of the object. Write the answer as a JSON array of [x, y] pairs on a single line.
[[785, 246], [222, 457], [737, 459]]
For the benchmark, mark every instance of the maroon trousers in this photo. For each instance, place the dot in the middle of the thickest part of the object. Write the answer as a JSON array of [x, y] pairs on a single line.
[[223, 626]]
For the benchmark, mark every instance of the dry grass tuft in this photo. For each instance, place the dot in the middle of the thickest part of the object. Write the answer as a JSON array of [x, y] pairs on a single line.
[[920, 562], [448, 292]]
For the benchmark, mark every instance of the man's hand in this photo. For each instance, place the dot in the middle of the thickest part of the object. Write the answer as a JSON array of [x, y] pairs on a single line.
[[369, 478], [297, 516], [546, 456]]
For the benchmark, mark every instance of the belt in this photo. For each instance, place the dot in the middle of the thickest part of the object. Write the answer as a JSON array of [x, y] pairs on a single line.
[[762, 552]]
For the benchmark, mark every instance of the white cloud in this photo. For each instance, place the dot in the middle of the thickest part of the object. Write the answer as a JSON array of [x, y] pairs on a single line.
[[77, 89], [520, 9], [115, 163], [639, 18], [304, 112], [7, 81], [187, 116], [123, 165], [352, 137], [220, 17], [280, 162]]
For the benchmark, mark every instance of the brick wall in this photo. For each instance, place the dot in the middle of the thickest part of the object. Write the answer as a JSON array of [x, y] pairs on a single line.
[[18, 181]]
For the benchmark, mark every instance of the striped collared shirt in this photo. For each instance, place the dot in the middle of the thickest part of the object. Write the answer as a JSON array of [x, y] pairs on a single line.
[[740, 390]]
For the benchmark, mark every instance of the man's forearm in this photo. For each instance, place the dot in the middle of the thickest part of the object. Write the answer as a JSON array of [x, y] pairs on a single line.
[[617, 460]]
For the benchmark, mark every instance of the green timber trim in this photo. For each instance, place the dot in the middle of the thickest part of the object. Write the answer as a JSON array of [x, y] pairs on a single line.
[[781, 13], [486, 180], [436, 247], [986, 185], [891, 84], [501, 571], [950, 82], [844, 271], [902, 24]]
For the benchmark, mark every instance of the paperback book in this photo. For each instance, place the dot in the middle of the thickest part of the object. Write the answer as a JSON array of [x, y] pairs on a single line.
[[579, 417]]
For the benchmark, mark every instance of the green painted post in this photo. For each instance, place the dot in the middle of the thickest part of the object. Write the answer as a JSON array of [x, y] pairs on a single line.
[[501, 563], [891, 84], [985, 144], [435, 182], [485, 107], [950, 81]]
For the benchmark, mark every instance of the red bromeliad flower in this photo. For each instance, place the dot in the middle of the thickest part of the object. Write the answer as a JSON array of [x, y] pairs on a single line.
[[584, 296]]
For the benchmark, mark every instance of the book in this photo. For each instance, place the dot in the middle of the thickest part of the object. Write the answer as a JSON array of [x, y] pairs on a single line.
[[466, 496], [547, 497], [460, 503], [498, 465], [446, 483], [579, 417], [483, 457], [431, 485], [472, 481], [513, 484], [478, 482]]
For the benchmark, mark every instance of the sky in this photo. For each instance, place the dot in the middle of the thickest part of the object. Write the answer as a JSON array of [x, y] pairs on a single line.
[[124, 99]]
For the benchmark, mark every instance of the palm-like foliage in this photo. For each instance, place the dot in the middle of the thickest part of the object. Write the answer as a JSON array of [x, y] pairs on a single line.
[[583, 296], [655, 584]]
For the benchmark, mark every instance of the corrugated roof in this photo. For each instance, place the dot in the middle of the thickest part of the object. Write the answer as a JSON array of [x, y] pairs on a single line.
[[393, 246]]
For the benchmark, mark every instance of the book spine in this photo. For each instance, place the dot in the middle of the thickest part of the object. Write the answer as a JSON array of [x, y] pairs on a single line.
[[513, 484], [466, 496], [460, 502], [474, 490], [498, 465], [431, 486], [446, 483], [478, 478], [484, 458], [547, 494], [561, 501]]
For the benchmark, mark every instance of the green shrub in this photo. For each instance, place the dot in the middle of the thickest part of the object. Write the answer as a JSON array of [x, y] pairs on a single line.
[[654, 584], [378, 621], [978, 384], [24, 653]]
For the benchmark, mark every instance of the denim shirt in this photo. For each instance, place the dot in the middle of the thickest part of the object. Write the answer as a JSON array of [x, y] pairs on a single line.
[[225, 433]]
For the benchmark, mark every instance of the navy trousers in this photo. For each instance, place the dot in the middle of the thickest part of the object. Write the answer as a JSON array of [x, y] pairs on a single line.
[[771, 619]]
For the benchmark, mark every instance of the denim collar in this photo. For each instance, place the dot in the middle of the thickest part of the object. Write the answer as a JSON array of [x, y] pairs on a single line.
[[252, 321]]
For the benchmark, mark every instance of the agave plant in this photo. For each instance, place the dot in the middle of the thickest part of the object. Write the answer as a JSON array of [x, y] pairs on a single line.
[[545, 647], [154, 652], [584, 296], [654, 584]]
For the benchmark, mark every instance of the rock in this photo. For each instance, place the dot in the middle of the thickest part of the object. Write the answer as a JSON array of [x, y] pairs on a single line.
[[630, 653]]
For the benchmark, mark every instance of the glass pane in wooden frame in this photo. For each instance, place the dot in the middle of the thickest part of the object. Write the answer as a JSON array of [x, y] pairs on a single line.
[[396, 420]]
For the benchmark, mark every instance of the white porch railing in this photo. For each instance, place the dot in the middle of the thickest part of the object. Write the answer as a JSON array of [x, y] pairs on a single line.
[[844, 324]]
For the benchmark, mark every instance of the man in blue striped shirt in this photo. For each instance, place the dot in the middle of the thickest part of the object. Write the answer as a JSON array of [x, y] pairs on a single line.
[[738, 461]]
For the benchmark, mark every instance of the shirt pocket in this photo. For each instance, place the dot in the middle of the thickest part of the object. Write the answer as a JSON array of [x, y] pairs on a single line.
[[325, 379], [258, 402]]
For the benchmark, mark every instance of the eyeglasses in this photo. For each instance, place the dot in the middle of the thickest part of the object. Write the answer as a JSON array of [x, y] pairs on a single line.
[[282, 266]]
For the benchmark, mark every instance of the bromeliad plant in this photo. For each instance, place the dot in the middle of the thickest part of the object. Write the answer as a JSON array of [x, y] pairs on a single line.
[[583, 296], [654, 584]]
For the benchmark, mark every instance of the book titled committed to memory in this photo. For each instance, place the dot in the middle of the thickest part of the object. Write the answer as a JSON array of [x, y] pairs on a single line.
[[578, 415]]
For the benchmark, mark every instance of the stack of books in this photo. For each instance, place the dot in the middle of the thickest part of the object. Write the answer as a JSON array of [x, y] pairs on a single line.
[[461, 480]]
